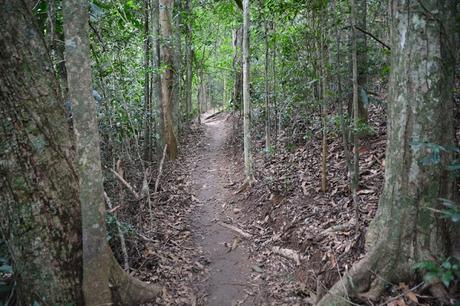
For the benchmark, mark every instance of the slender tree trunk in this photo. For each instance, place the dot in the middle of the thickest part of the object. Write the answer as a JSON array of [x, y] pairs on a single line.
[[246, 95], [267, 90], [406, 230], [147, 93], [356, 119], [237, 67], [188, 61], [361, 56], [38, 189], [323, 96], [167, 77], [343, 126], [156, 82], [274, 86], [177, 64]]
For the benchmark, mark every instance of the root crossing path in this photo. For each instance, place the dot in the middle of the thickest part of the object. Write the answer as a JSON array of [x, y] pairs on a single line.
[[229, 263]]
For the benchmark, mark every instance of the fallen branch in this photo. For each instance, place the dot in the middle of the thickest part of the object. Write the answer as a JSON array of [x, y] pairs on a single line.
[[288, 253], [235, 229], [339, 228], [126, 184], [213, 115]]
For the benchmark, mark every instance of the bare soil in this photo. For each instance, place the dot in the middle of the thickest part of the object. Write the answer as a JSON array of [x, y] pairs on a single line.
[[213, 172]]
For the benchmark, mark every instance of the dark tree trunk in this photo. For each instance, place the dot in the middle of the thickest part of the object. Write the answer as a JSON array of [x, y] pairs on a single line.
[[40, 216]]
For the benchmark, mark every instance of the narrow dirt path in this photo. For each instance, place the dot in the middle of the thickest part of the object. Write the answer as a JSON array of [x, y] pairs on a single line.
[[229, 266]]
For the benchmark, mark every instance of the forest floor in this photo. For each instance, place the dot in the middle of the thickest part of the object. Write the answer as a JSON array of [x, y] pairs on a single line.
[[215, 241], [213, 173]]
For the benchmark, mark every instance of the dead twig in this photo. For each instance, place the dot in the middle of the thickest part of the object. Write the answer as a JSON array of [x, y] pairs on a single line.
[[126, 184], [235, 229]]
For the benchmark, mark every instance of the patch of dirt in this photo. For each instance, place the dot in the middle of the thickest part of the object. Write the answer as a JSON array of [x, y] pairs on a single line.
[[212, 173]]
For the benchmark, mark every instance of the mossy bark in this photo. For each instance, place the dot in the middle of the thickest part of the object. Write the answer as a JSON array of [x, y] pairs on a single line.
[[38, 190], [405, 229], [104, 282]]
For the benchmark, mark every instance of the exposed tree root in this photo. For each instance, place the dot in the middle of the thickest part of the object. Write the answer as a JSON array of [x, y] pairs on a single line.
[[128, 290], [367, 278]]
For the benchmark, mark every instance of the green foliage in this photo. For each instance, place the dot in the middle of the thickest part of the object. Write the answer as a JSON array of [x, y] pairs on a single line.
[[363, 129], [112, 230], [447, 271]]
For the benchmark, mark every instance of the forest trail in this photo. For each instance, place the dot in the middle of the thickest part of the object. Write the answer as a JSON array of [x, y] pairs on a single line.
[[229, 266]]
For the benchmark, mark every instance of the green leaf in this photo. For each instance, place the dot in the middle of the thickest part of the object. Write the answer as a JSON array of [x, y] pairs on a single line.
[[447, 277], [6, 269]]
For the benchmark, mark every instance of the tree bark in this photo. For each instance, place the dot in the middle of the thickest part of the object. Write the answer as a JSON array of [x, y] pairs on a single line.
[[237, 67], [267, 89], [177, 65], [95, 258], [188, 61], [38, 191], [147, 93], [246, 96], [405, 230], [356, 111], [101, 273], [361, 56], [167, 77], [156, 82]]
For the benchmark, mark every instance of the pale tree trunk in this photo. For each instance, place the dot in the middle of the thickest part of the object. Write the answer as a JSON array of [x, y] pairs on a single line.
[[147, 93], [38, 187], [343, 126], [246, 96], [167, 77], [405, 230], [188, 61], [356, 112], [361, 56], [101, 273], [267, 90], [156, 78], [95, 257]]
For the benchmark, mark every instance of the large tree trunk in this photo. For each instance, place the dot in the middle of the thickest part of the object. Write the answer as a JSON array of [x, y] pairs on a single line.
[[246, 95], [405, 229], [167, 77], [38, 191], [24, 154]]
